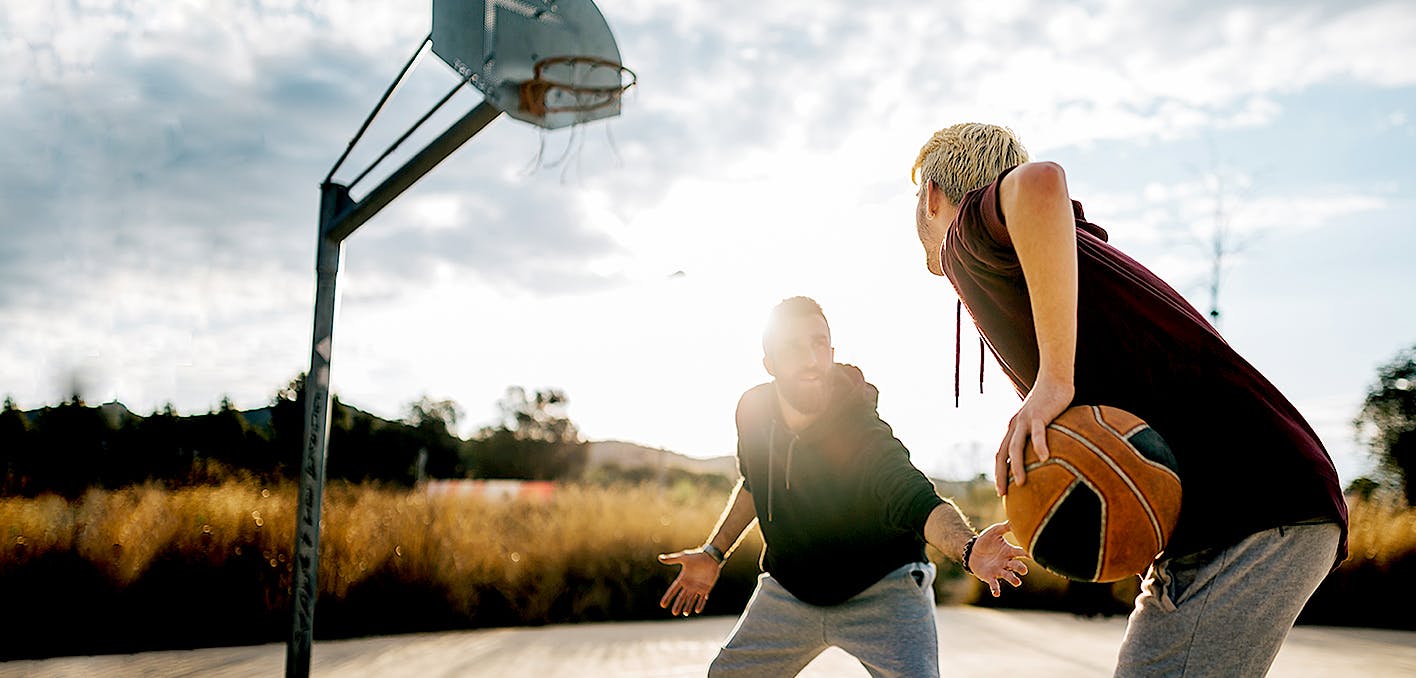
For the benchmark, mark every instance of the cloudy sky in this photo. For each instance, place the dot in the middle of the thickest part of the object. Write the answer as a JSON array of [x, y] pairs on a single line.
[[160, 162]]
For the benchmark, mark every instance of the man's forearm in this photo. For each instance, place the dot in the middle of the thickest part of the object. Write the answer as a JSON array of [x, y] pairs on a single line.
[[947, 529], [736, 518]]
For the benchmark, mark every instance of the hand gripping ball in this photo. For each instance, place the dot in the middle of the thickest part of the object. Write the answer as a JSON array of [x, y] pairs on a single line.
[[1104, 503]]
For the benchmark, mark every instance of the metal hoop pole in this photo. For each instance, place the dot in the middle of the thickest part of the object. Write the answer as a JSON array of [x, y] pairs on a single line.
[[334, 199]]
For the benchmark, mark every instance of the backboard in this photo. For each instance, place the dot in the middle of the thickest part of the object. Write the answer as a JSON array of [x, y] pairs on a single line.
[[502, 44]]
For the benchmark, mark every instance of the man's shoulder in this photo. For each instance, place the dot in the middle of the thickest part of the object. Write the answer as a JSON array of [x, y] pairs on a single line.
[[756, 401]]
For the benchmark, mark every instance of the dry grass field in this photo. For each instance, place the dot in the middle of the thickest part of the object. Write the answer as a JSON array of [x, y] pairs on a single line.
[[147, 567]]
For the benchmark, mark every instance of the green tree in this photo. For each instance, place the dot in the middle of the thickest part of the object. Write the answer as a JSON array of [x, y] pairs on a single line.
[[1387, 422], [535, 439], [71, 446], [434, 424], [223, 435], [287, 429], [541, 416], [161, 447], [15, 449]]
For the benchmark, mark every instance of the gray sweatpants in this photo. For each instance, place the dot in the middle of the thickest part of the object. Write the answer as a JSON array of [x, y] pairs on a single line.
[[889, 627], [1226, 611]]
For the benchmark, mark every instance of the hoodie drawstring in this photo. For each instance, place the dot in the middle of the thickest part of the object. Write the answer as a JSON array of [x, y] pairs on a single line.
[[791, 448], [772, 462], [958, 328], [958, 352], [980, 363]]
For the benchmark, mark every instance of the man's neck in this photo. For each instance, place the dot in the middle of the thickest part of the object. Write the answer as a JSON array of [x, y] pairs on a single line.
[[949, 212], [796, 420]]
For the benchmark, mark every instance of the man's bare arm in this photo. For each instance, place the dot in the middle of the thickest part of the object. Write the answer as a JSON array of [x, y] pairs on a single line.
[[689, 591], [947, 529], [737, 517], [1038, 211], [991, 559]]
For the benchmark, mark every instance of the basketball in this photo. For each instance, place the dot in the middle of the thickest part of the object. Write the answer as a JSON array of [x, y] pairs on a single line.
[[1104, 503]]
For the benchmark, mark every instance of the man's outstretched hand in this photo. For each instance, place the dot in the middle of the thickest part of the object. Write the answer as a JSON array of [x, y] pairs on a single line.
[[993, 558], [689, 591]]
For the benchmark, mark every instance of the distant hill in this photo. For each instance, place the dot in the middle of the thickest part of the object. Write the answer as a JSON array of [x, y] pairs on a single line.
[[630, 455], [259, 417], [116, 414], [600, 453]]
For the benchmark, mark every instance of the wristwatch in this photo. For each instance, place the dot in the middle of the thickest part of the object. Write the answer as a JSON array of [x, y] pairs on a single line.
[[713, 552]]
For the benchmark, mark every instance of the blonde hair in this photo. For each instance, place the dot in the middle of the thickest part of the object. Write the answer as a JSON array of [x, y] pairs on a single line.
[[966, 156]]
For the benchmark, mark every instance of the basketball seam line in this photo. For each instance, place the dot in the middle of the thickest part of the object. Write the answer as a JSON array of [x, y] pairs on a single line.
[[1052, 511], [1155, 522], [1096, 413]]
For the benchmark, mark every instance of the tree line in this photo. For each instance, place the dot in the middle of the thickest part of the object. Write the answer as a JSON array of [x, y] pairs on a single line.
[[70, 447], [1387, 425]]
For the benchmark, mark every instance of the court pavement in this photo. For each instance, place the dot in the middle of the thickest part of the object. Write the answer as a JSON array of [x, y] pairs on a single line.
[[973, 642]]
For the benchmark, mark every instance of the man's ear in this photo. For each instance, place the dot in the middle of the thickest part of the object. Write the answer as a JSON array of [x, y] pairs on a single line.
[[767, 365], [933, 199]]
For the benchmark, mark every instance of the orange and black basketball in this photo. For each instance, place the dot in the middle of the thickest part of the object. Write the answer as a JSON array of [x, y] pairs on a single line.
[[1104, 503]]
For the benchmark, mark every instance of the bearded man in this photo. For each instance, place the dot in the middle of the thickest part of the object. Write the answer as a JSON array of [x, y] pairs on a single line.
[[844, 515]]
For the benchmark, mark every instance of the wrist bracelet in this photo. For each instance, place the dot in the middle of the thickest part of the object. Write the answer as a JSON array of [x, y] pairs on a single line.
[[968, 551], [713, 552]]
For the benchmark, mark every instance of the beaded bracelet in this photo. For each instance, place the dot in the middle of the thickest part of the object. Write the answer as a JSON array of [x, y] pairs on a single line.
[[968, 551]]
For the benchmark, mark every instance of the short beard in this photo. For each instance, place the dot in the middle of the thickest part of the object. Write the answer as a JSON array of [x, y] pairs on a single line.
[[806, 399]]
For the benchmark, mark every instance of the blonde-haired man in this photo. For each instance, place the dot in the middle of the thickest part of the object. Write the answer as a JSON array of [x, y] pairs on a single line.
[[1073, 320]]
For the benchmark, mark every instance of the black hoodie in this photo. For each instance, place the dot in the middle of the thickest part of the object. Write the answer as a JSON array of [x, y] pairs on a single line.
[[839, 504]]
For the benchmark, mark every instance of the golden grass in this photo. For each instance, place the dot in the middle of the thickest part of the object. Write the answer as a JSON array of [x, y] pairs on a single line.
[[587, 552], [461, 544], [123, 531], [1380, 533]]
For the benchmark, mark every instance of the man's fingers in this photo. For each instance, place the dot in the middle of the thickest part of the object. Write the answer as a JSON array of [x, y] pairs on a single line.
[[681, 601], [1039, 439], [1000, 468], [669, 595], [671, 558], [1015, 455]]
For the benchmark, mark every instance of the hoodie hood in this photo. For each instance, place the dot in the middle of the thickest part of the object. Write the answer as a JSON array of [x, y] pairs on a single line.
[[851, 397]]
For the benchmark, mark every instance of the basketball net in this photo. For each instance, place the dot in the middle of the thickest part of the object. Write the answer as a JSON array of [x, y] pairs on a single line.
[[542, 94], [565, 92]]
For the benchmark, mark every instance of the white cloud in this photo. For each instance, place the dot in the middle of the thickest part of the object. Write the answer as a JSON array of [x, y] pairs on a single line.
[[166, 155]]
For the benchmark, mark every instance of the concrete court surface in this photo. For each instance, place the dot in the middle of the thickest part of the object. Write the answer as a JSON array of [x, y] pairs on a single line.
[[973, 642]]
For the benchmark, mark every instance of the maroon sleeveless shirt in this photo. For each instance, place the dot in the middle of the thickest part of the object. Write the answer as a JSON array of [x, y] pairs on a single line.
[[1248, 460]]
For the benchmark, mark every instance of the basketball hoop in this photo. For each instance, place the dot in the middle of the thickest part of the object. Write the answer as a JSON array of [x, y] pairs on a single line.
[[494, 45], [558, 85]]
